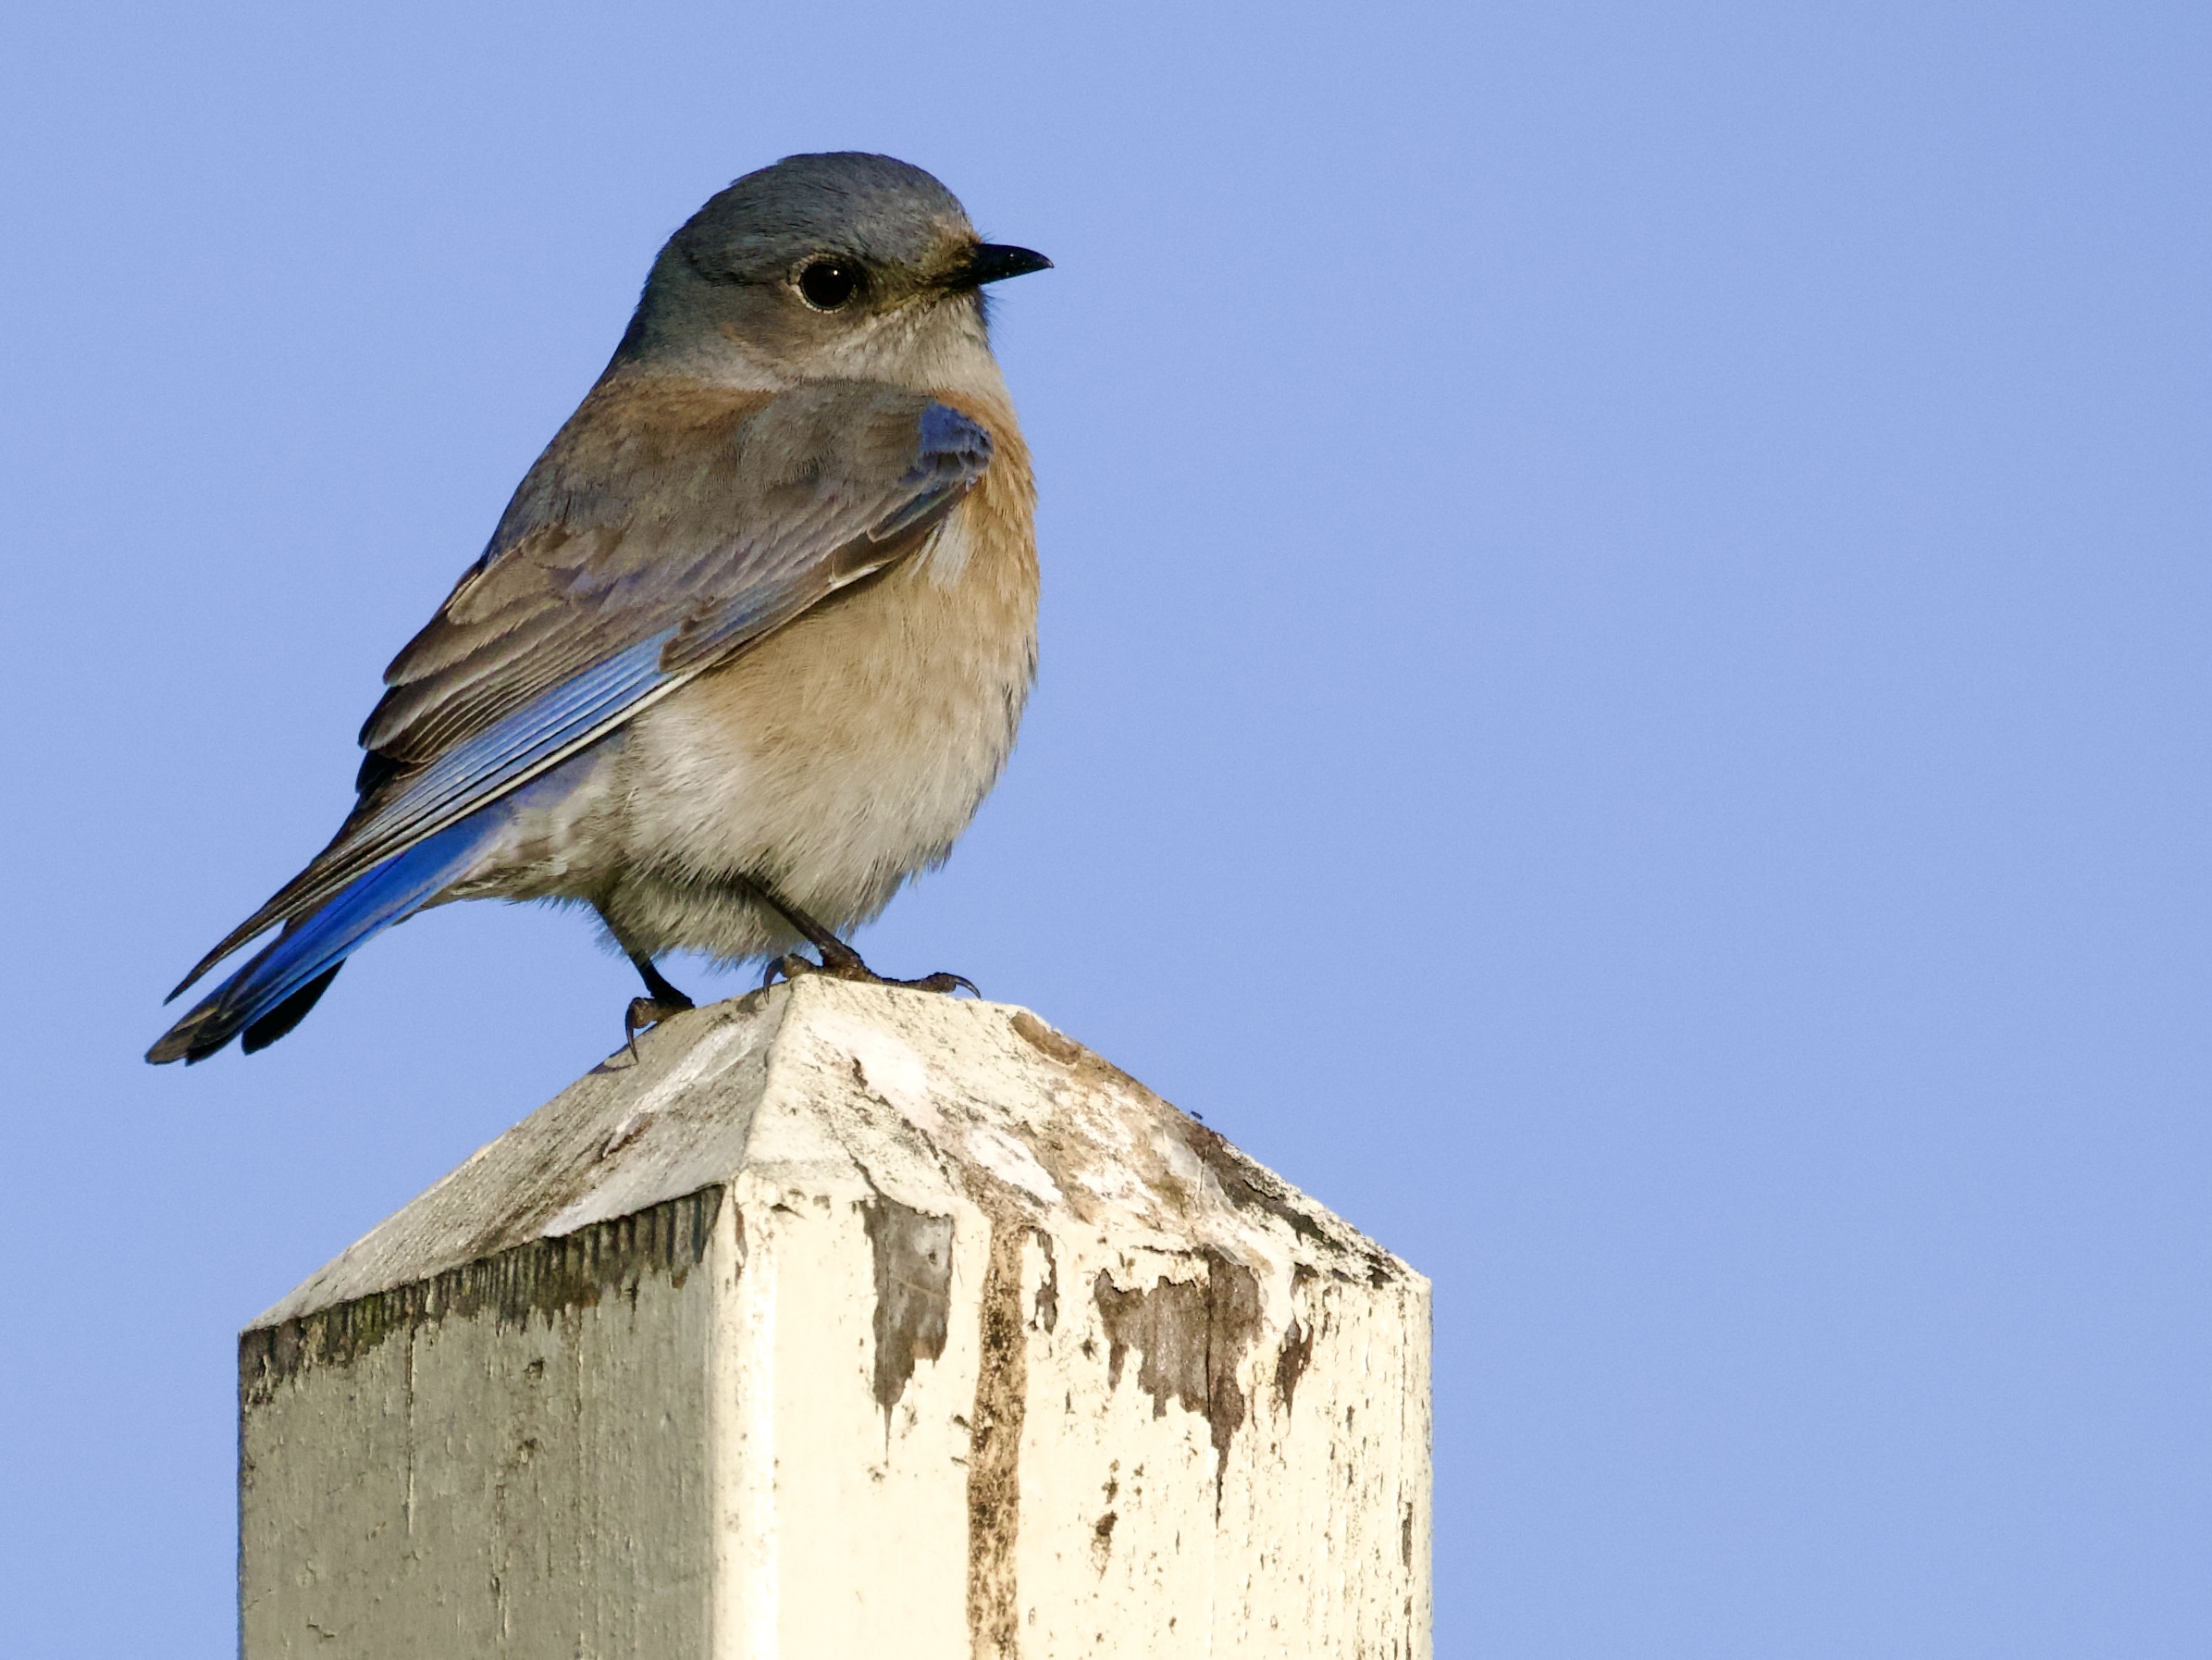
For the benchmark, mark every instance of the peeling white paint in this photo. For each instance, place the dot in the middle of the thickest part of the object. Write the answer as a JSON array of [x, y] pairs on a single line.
[[1217, 1392]]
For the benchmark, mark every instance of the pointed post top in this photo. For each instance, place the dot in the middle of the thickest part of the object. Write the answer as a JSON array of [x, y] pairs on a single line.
[[925, 1096]]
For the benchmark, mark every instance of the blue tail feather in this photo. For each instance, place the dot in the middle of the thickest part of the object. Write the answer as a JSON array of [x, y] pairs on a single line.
[[312, 949]]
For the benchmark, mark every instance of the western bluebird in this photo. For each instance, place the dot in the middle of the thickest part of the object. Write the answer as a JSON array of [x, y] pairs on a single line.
[[750, 643]]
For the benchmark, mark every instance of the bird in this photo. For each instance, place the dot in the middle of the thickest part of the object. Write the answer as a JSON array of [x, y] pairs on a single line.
[[749, 645]]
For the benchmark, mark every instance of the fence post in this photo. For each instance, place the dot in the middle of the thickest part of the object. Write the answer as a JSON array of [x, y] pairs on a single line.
[[844, 1321]]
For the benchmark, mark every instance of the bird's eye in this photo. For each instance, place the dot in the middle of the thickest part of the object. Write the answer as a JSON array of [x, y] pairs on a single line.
[[829, 283]]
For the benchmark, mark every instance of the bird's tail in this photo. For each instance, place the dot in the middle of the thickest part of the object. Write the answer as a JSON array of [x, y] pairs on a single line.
[[273, 993]]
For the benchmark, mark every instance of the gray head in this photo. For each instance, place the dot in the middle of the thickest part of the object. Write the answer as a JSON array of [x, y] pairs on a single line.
[[837, 266]]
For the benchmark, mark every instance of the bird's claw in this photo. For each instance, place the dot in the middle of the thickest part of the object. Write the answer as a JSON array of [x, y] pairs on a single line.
[[649, 1012], [942, 982], [844, 963]]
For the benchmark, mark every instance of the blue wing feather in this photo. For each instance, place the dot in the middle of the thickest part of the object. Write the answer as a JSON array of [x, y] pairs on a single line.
[[532, 738]]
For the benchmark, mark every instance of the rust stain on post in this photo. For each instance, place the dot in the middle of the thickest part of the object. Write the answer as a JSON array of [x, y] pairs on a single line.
[[575, 1271], [1190, 1336], [913, 1292], [994, 1451], [1049, 1292], [1297, 1343]]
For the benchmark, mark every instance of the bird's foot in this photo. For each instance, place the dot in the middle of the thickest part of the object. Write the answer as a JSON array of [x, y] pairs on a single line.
[[840, 961]]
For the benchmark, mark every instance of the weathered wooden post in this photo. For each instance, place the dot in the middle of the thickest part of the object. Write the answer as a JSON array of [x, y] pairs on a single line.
[[845, 1321]]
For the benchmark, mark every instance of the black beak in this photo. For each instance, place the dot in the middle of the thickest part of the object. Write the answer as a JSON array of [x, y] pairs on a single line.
[[995, 262]]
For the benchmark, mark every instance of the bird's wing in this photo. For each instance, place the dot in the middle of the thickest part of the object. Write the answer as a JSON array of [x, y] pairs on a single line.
[[661, 532]]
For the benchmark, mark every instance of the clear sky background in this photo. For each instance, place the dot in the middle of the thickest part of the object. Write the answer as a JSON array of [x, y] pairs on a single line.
[[1625, 700]]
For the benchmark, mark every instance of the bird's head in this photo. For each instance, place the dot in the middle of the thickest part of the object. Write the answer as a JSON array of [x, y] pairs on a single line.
[[835, 267]]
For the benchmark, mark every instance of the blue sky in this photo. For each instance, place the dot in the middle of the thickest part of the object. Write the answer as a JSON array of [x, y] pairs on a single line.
[[1623, 700]]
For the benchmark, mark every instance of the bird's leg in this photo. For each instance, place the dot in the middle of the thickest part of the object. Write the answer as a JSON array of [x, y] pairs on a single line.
[[660, 1000], [838, 960]]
